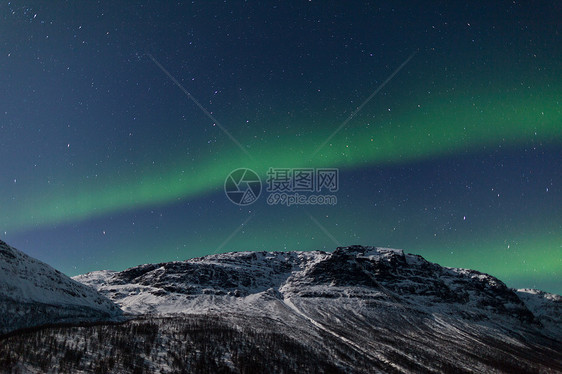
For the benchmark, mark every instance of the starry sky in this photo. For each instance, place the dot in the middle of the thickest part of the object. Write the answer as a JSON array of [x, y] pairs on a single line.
[[119, 124]]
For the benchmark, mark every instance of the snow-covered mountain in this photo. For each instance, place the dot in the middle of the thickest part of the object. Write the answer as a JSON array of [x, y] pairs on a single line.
[[390, 310], [546, 307], [32, 294], [364, 273], [355, 310]]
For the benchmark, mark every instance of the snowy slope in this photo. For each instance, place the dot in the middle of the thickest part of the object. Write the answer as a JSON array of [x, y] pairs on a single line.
[[355, 310], [546, 307], [365, 279], [32, 293], [369, 309], [200, 284]]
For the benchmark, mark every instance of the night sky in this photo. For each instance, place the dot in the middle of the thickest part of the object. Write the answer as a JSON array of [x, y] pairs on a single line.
[[444, 120]]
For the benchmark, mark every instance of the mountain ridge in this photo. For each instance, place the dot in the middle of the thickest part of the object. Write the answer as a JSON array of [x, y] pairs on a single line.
[[33, 293], [355, 271], [393, 311], [354, 310]]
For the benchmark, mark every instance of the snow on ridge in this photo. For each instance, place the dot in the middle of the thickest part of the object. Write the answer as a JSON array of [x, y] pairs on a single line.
[[94, 278], [33, 293], [547, 307], [256, 257], [24, 278], [254, 280], [325, 274], [534, 291], [382, 253]]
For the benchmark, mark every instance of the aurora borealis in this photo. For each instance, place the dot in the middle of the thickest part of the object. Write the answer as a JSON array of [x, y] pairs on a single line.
[[106, 163]]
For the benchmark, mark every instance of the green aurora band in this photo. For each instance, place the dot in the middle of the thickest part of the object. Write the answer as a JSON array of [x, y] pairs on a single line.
[[442, 127]]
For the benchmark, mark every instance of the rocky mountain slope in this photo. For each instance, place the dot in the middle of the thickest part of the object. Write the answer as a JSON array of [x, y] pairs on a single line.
[[32, 294], [396, 311], [390, 276], [355, 310]]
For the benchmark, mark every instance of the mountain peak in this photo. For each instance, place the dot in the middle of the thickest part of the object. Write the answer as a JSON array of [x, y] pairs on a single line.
[[368, 251], [32, 294], [358, 309], [359, 272]]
